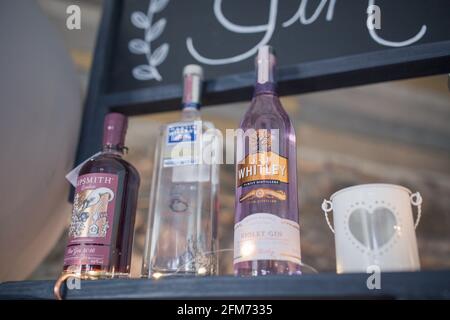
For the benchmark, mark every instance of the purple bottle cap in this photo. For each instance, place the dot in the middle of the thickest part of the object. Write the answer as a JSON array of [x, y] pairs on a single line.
[[114, 129]]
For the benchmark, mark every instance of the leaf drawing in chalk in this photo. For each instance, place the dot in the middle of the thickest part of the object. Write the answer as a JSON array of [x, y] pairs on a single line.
[[140, 20], [159, 55], [138, 46], [144, 46], [156, 30], [158, 5], [146, 72]]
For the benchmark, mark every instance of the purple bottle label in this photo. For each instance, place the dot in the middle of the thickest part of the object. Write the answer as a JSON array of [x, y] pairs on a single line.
[[92, 220]]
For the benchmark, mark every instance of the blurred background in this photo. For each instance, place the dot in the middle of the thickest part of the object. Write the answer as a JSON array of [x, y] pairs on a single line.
[[394, 132]]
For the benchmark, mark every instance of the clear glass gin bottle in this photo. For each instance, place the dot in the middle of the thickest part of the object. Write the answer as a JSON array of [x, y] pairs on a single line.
[[182, 224]]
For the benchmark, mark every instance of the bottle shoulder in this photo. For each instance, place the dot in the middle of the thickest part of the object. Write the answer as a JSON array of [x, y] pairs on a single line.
[[266, 112], [131, 169], [109, 163]]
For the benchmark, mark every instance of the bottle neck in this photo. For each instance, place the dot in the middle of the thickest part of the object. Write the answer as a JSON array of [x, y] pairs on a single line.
[[192, 91], [190, 113], [114, 149], [269, 88], [192, 86], [114, 131], [265, 72]]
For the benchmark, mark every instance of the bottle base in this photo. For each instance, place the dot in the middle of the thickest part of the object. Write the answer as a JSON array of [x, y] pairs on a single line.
[[157, 274], [267, 268], [96, 274]]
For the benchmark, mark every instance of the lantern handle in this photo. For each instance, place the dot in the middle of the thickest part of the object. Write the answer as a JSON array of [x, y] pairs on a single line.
[[327, 206], [416, 200]]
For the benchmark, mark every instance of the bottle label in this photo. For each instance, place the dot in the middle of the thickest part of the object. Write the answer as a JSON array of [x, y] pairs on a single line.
[[92, 219], [265, 236], [180, 132], [182, 144], [72, 176], [262, 166], [262, 174], [90, 254]]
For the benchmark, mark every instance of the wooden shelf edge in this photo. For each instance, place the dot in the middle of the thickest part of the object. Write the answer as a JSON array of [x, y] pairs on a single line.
[[400, 285]]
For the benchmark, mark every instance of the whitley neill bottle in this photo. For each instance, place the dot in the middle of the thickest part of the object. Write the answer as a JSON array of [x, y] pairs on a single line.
[[266, 232], [104, 208]]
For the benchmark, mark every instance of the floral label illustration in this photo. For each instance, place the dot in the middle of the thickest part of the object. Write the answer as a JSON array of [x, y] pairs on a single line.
[[93, 208], [92, 217]]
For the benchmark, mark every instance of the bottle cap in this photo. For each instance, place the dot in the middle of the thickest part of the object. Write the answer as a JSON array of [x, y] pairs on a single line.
[[192, 85], [114, 129], [265, 64], [193, 69]]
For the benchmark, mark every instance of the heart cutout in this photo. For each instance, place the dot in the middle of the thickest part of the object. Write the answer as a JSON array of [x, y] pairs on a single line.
[[372, 229]]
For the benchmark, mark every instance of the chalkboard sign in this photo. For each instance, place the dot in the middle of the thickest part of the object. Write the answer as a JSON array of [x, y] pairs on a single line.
[[321, 44], [223, 35]]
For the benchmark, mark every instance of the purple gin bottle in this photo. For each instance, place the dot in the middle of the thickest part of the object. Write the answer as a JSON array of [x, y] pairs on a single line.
[[104, 209], [266, 232]]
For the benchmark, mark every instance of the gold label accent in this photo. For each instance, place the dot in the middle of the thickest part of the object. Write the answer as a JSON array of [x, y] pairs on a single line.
[[263, 166], [264, 193]]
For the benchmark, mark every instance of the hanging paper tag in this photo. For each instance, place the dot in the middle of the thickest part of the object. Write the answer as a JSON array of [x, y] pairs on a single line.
[[72, 176]]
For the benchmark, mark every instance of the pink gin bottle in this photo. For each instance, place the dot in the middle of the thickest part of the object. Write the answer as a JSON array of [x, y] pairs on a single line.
[[104, 209], [266, 232]]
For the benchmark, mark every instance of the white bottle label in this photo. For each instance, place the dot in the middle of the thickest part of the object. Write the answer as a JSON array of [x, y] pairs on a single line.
[[182, 145], [264, 236]]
